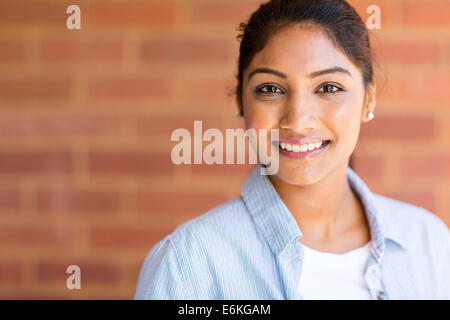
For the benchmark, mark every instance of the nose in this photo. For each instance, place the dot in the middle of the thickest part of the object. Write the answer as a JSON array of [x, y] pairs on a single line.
[[298, 114]]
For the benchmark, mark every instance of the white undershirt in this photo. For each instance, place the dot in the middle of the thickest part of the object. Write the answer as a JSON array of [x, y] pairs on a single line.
[[330, 276]]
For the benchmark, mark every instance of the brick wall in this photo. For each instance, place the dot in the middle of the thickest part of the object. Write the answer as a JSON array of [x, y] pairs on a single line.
[[86, 117]]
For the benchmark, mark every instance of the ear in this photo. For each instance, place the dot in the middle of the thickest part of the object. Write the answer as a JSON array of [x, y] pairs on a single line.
[[369, 102]]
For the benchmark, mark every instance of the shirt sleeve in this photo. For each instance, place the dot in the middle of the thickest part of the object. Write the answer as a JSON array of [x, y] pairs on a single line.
[[439, 238], [161, 277], [444, 263]]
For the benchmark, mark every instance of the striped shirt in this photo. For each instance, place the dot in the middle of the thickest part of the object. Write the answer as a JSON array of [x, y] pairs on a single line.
[[248, 248]]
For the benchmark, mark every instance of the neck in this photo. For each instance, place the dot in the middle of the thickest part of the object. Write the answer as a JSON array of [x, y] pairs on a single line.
[[323, 210]]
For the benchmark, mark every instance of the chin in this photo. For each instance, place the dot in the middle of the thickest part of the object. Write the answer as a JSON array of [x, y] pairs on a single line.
[[298, 175]]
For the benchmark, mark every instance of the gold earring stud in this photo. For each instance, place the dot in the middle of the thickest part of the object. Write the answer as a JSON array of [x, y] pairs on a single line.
[[370, 115]]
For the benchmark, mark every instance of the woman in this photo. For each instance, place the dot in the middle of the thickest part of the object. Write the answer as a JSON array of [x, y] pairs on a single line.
[[314, 230]]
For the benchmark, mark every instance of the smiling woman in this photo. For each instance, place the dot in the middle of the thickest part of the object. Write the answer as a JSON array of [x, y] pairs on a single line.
[[313, 230]]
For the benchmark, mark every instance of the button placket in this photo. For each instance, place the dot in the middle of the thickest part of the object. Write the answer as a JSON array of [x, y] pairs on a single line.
[[373, 280], [377, 287]]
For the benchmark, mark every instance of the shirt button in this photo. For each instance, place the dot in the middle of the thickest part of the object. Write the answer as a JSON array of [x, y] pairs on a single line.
[[381, 295]]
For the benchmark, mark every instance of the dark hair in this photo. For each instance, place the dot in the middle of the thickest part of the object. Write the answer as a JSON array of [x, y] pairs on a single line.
[[337, 18]]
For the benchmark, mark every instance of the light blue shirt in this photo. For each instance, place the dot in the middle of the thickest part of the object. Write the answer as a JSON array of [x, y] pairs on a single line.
[[248, 248]]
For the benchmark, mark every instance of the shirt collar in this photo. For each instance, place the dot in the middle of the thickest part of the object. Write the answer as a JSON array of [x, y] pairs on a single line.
[[279, 228]]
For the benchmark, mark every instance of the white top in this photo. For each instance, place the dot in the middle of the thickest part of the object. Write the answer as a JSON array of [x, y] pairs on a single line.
[[331, 276]]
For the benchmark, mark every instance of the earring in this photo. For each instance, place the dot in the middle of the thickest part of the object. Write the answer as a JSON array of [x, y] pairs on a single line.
[[239, 114], [370, 115]]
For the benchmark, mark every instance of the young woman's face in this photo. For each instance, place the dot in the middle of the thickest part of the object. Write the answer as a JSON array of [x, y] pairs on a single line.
[[301, 84]]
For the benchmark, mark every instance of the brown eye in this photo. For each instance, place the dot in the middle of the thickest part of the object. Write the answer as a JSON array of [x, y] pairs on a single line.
[[268, 89], [329, 88]]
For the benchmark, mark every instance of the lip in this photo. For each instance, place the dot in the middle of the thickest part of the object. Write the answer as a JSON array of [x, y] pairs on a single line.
[[302, 155]]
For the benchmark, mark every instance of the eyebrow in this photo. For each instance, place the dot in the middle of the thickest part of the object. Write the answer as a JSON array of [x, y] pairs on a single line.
[[311, 75], [330, 70], [267, 70]]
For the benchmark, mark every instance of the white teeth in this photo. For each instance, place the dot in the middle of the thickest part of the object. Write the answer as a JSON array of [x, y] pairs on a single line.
[[300, 148]]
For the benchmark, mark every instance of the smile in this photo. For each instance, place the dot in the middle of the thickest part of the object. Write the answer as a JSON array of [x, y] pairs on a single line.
[[302, 151]]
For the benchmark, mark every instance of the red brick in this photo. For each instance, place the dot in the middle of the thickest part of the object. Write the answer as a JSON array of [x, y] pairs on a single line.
[[418, 165], [126, 237], [425, 88], [233, 170], [33, 87], [401, 52], [100, 272], [20, 12], [132, 163], [12, 51], [58, 123], [9, 199], [214, 13], [73, 200], [184, 50], [92, 272], [35, 236], [197, 89], [35, 162], [70, 123], [178, 202], [131, 272], [164, 125], [427, 13], [73, 51], [13, 125], [426, 200], [124, 293], [400, 128], [30, 294], [126, 88], [387, 14], [446, 52], [132, 14], [389, 11], [369, 165], [10, 272]]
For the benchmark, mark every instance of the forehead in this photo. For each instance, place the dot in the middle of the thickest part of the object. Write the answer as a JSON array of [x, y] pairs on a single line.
[[301, 49]]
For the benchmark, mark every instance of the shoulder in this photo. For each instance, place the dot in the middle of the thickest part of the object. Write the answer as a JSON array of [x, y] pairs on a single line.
[[412, 221], [225, 221], [188, 256], [427, 239]]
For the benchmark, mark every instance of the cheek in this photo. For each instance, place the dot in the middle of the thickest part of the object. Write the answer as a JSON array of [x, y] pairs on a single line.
[[347, 121], [260, 116]]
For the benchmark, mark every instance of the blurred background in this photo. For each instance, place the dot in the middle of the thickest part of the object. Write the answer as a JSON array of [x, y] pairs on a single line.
[[86, 117]]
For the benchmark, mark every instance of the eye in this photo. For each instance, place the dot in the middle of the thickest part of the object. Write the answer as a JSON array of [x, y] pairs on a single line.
[[329, 88], [269, 89]]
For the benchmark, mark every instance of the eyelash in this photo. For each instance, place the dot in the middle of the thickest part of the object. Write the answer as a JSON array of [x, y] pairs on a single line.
[[329, 85], [258, 90]]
